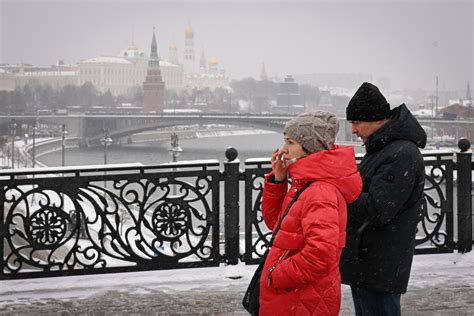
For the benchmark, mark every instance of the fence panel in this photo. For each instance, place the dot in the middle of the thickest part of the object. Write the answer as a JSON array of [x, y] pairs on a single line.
[[435, 228], [106, 220], [257, 234]]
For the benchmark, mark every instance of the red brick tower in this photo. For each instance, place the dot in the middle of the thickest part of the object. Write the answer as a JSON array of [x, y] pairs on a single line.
[[153, 87]]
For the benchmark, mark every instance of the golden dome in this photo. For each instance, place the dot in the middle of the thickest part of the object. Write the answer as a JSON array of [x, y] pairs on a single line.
[[172, 46], [213, 61], [189, 31]]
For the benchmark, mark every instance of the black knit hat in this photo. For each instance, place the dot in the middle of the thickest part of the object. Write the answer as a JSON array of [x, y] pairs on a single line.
[[368, 104]]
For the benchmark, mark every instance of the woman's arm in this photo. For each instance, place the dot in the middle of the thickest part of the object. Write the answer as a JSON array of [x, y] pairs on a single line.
[[272, 199]]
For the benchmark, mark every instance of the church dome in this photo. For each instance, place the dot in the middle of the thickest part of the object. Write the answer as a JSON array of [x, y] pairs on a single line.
[[213, 61], [132, 52], [189, 32]]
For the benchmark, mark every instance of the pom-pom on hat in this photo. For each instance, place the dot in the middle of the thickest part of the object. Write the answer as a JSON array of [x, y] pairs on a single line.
[[367, 105], [314, 131]]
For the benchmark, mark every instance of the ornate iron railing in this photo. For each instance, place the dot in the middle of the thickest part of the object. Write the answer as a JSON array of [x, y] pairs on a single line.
[[436, 227], [68, 221], [96, 220]]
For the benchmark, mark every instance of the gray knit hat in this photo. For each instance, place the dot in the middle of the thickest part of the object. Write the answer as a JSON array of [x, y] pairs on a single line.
[[314, 131]]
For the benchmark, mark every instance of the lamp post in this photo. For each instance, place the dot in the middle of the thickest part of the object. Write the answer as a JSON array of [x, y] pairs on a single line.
[[13, 142], [106, 141], [35, 128], [436, 96], [63, 144], [175, 150]]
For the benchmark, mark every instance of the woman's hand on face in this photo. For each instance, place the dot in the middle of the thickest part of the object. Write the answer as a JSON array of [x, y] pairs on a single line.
[[278, 165]]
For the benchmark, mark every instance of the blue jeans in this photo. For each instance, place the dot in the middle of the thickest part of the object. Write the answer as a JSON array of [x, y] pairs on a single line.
[[372, 303]]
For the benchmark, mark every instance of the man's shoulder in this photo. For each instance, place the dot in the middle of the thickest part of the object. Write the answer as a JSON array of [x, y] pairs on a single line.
[[403, 148]]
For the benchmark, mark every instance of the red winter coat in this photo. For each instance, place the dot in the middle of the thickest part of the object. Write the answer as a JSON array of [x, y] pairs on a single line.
[[306, 250]]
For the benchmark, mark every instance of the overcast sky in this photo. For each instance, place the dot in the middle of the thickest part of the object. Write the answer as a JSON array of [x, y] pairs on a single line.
[[410, 42]]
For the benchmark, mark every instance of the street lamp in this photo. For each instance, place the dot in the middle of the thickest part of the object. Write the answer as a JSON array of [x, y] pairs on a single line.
[[13, 142], [106, 141], [35, 128], [174, 151], [64, 133]]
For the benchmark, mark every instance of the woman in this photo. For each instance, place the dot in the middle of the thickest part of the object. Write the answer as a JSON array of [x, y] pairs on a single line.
[[301, 273]]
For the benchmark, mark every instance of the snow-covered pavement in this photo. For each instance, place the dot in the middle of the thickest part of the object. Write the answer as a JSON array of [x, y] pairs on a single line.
[[440, 285]]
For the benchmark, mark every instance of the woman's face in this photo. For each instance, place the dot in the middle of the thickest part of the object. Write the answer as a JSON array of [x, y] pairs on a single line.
[[292, 149]]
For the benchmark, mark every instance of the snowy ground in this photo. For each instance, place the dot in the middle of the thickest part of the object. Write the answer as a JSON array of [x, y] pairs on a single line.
[[440, 285]]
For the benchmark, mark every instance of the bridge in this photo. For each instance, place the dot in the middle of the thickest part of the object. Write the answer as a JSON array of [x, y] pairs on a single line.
[[88, 128]]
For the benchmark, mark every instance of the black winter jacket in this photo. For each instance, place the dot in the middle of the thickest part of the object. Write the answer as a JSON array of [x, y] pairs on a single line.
[[382, 222]]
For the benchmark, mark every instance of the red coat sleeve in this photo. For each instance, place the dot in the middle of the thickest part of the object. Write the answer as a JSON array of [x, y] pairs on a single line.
[[272, 200]]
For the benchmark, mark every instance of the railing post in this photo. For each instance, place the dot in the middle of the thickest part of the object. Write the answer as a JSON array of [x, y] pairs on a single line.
[[231, 206], [464, 183]]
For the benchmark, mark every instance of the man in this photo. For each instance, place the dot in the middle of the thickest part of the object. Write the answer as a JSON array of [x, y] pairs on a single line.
[[382, 223]]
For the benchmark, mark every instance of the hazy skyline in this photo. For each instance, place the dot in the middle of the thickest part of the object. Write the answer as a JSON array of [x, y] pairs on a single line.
[[409, 42]]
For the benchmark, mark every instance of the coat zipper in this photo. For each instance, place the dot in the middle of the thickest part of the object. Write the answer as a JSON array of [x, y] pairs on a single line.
[[275, 265]]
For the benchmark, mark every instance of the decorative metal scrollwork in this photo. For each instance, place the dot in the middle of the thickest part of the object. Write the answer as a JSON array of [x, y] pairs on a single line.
[[170, 219], [87, 224], [260, 241], [433, 210], [47, 227]]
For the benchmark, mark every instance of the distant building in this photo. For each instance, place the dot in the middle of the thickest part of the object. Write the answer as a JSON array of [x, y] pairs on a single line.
[[7, 80], [202, 64], [117, 74], [114, 74], [325, 99], [289, 100], [208, 77], [263, 73], [121, 73], [153, 87], [173, 55], [349, 81], [468, 94], [457, 110], [56, 76]]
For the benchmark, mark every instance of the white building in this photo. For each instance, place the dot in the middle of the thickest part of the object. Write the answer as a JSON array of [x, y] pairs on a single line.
[[18, 75], [128, 70], [7, 80]]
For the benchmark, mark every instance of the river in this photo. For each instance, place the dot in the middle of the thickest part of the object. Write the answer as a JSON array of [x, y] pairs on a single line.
[[156, 152]]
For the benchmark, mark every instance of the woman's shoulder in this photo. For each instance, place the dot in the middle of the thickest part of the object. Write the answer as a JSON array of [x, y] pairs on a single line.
[[320, 191]]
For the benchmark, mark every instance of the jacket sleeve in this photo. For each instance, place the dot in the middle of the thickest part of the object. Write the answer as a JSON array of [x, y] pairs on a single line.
[[320, 225], [390, 188], [272, 200]]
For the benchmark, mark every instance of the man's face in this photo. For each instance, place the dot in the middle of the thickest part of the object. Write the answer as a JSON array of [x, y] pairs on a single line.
[[365, 129]]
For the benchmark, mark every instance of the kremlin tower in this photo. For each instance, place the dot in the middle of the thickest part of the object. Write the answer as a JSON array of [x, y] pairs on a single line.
[[153, 87]]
